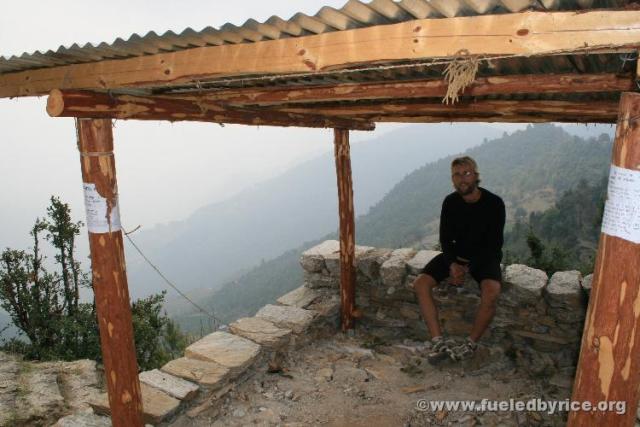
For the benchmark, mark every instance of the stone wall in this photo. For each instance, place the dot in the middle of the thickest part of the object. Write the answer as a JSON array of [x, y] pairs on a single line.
[[538, 324], [538, 321]]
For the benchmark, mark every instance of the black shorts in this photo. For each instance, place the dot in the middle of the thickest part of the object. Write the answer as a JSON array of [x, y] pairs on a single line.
[[439, 270]]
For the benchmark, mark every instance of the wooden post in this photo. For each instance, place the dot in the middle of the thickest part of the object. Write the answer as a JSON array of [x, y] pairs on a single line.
[[347, 228], [609, 365], [95, 142]]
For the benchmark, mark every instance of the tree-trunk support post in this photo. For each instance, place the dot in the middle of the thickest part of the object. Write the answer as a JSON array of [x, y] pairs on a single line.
[[347, 228], [95, 143], [609, 364]]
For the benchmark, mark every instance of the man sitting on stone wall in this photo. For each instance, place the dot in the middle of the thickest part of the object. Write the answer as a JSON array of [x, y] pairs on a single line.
[[471, 236]]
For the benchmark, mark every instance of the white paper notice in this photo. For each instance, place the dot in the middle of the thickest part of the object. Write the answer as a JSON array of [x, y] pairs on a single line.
[[96, 207], [622, 209]]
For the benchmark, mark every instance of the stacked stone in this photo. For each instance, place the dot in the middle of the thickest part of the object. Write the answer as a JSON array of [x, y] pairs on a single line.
[[538, 320], [212, 365]]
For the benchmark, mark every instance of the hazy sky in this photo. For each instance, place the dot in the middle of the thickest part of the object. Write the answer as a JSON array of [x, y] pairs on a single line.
[[165, 171]]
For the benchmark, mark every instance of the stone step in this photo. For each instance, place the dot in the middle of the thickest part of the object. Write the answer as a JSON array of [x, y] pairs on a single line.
[[294, 318], [157, 405], [300, 297], [173, 386], [231, 351], [261, 331], [208, 375]]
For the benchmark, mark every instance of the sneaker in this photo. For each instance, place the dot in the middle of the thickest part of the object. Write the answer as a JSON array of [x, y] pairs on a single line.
[[440, 351], [464, 351]]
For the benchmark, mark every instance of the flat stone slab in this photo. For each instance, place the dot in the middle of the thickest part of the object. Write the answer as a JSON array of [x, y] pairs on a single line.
[[208, 374], [312, 260], [294, 318], [261, 331], [419, 260], [232, 351], [300, 297], [84, 420], [157, 405], [172, 385]]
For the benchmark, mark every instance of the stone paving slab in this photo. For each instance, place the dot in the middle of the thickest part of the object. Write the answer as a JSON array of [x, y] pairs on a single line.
[[232, 351], [261, 331], [294, 318], [207, 374], [157, 405], [172, 385]]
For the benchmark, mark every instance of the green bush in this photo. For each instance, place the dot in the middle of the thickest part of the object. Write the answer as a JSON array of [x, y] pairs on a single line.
[[43, 301]]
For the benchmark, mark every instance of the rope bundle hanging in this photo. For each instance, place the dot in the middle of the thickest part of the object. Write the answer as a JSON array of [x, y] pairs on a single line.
[[460, 73]]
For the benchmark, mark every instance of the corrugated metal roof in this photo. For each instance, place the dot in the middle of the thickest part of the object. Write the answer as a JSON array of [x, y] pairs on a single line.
[[354, 14]]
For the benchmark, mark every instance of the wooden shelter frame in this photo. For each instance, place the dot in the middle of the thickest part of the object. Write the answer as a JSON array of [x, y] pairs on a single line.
[[194, 85]]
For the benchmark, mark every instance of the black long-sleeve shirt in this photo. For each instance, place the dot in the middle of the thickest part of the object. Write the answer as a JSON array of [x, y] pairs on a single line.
[[472, 231]]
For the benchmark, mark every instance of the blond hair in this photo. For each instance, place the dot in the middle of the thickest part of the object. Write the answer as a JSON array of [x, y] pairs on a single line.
[[466, 160]]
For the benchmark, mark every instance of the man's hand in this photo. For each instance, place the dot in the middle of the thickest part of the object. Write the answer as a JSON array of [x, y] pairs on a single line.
[[456, 273]]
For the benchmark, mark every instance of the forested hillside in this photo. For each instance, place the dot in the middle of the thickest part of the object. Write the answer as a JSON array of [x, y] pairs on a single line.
[[564, 237], [530, 169], [220, 241]]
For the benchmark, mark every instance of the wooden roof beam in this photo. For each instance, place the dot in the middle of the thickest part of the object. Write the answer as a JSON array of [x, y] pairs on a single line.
[[84, 104], [520, 34], [431, 88], [390, 110], [497, 118]]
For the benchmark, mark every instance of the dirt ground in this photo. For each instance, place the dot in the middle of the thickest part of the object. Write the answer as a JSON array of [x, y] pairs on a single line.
[[359, 381]]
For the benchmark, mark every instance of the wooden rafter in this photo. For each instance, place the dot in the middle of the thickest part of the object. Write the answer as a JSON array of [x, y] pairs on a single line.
[[496, 118], [431, 88], [520, 34], [597, 111], [85, 104]]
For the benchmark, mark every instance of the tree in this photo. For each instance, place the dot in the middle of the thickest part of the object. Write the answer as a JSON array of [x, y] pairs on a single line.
[[44, 302]]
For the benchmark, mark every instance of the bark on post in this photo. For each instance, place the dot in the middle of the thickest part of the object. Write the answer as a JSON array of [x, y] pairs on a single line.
[[347, 228], [609, 365], [95, 143]]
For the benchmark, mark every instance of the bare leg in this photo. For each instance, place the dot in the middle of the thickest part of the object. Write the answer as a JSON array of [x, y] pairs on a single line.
[[490, 290], [423, 286]]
